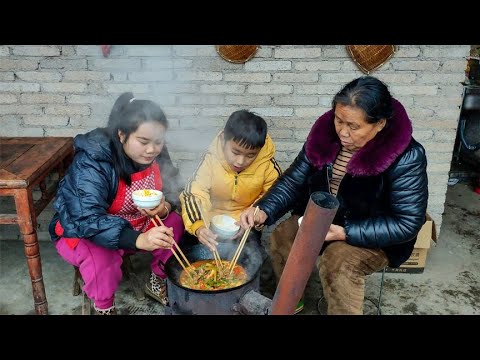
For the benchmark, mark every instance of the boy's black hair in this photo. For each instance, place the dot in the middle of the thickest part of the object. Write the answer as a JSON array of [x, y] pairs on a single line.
[[246, 129]]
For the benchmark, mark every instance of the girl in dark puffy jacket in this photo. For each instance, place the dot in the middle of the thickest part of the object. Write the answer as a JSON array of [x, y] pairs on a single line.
[[362, 152], [96, 221]]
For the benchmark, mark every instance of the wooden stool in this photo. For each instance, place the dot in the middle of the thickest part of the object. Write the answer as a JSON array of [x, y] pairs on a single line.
[[127, 270]]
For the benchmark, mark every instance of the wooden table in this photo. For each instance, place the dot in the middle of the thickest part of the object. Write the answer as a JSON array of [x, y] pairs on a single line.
[[25, 163]]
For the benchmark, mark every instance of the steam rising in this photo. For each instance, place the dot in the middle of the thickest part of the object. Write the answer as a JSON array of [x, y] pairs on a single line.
[[251, 258]]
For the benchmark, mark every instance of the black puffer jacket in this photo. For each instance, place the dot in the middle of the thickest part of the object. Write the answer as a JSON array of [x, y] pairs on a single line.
[[89, 188], [383, 196]]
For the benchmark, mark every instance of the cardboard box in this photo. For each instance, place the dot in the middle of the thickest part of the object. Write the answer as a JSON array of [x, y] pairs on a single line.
[[415, 264]]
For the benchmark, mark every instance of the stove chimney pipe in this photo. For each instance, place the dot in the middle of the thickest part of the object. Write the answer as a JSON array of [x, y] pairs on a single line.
[[318, 217]]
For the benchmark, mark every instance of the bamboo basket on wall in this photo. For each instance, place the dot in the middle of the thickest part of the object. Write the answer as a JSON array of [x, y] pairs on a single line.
[[370, 57], [237, 54]]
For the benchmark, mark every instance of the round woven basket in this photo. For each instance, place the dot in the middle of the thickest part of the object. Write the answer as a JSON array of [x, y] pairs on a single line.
[[237, 54], [370, 57]]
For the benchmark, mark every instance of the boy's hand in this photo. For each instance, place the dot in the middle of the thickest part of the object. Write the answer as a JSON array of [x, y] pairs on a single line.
[[207, 237], [239, 233], [247, 220]]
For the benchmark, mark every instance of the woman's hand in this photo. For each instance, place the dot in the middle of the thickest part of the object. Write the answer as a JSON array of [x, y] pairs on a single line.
[[336, 233], [207, 237], [155, 238], [162, 210], [247, 220]]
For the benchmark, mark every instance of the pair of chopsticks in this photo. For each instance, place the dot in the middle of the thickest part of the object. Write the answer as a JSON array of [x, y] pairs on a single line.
[[188, 265], [234, 260], [216, 255]]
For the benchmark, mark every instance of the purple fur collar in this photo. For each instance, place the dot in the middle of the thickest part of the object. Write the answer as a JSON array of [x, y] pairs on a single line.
[[376, 156]]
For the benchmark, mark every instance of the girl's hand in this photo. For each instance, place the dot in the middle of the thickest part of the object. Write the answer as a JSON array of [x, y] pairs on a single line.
[[162, 210], [207, 237], [247, 220], [155, 238], [336, 232]]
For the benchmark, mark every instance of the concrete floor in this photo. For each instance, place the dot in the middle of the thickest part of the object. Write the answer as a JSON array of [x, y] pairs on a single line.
[[449, 285]]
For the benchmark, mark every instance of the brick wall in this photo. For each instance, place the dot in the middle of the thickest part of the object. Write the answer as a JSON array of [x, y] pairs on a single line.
[[67, 90]]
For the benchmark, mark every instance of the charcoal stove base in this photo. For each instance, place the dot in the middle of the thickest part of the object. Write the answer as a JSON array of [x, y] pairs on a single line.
[[184, 302]]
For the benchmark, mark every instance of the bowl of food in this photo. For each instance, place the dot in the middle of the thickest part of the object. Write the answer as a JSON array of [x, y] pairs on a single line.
[[224, 226], [147, 198]]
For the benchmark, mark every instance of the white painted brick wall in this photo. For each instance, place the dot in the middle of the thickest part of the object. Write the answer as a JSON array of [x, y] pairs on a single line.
[[31, 50], [7, 98], [248, 77], [64, 90], [4, 50], [38, 76]]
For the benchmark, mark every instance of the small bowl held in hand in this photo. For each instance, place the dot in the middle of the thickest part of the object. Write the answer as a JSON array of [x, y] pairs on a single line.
[[147, 198], [224, 226]]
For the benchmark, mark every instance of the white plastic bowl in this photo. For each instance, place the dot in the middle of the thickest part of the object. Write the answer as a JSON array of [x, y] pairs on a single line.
[[147, 198], [224, 226]]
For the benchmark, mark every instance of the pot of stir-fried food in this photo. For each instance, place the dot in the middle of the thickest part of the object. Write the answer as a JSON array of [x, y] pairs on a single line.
[[210, 286]]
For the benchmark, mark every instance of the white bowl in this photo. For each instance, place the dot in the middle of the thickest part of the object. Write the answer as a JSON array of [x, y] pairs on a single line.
[[147, 198], [224, 226]]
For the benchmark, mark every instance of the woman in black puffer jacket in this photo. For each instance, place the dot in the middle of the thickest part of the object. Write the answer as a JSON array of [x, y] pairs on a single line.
[[96, 221], [361, 151]]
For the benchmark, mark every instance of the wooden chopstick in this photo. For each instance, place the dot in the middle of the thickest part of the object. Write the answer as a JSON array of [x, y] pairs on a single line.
[[216, 255], [234, 260], [242, 244], [202, 215], [175, 244], [173, 250], [217, 261]]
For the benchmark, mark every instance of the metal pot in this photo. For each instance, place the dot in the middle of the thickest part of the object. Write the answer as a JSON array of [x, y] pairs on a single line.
[[207, 302]]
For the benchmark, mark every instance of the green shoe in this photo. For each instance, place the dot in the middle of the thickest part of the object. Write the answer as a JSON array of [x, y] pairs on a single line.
[[299, 306]]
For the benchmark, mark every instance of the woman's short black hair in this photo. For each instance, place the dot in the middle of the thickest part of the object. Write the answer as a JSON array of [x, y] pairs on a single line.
[[369, 94], [246, 129]]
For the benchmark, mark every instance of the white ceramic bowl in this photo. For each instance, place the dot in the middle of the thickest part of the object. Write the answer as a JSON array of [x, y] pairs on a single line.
[[224, 226], [147, 198]]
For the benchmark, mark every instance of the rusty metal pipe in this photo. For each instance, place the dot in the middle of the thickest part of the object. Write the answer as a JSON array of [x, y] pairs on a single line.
[[318, 217]]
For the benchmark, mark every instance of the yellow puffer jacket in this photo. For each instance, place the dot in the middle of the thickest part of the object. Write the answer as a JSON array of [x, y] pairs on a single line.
[[217, 189]]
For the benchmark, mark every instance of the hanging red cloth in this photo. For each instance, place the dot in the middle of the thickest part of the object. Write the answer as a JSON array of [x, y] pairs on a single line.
[[106, 50]]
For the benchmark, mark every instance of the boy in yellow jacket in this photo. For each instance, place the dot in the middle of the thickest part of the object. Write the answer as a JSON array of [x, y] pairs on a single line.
[[237, 169]]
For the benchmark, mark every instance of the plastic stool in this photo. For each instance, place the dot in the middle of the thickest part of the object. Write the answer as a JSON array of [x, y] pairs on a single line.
[[321, 306], [378, 305]]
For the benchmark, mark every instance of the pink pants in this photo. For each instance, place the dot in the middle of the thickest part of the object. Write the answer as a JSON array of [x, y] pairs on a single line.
[[100, 267]]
